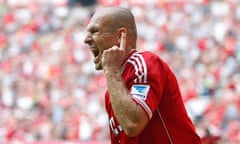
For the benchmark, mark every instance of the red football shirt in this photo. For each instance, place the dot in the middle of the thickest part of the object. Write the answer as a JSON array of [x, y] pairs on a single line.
[[154, 87]]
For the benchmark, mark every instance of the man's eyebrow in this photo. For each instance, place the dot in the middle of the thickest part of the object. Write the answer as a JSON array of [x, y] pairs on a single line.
[[92, 28]]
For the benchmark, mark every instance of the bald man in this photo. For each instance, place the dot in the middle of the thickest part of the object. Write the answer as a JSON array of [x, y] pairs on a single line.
[[143, 99]]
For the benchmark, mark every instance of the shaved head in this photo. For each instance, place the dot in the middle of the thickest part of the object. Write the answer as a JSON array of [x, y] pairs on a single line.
[[117, 17]]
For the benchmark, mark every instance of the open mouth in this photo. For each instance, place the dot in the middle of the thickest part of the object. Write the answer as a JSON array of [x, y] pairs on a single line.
[[95, 53]]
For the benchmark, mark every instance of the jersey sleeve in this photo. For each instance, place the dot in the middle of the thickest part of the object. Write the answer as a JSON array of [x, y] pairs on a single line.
[[146, 80]]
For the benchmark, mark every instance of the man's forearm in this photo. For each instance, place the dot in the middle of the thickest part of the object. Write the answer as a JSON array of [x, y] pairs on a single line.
[[127, 112]]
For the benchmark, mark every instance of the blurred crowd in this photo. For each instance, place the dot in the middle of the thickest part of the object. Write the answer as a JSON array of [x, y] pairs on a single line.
[[50, 90]]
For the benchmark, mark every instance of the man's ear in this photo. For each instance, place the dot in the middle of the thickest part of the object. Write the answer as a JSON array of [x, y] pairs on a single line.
[[120, 31]]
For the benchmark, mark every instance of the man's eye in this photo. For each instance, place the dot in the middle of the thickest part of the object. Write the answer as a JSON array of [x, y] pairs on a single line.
[[94, 30]]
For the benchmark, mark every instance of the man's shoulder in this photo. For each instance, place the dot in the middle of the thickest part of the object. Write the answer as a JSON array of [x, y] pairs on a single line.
[[151, 57], [146, 60], [149, 54]]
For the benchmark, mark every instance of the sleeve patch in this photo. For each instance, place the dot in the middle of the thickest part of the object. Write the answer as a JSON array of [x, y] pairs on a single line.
[[140, 91]]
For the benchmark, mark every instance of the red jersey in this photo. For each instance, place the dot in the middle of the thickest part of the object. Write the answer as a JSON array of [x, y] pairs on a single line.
[[154, 87]]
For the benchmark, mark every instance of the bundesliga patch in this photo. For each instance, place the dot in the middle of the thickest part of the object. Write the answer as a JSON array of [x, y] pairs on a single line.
[[140, 91]]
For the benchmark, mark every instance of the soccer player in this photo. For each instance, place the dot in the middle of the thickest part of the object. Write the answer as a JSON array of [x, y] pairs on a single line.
[[143, 100]]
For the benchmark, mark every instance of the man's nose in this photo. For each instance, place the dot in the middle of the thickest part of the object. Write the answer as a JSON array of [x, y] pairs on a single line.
[[88, 38]]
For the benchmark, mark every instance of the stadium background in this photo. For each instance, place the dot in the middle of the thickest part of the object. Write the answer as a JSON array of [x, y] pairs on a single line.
[[51, 93]]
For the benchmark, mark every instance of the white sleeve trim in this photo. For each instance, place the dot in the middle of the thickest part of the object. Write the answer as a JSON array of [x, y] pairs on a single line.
[[144, 105]]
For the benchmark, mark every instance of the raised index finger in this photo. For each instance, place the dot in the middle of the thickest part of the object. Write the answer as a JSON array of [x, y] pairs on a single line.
[[123, 40]]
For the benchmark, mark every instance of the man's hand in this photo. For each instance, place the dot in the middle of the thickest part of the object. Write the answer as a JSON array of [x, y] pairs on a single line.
[[114, 57]]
